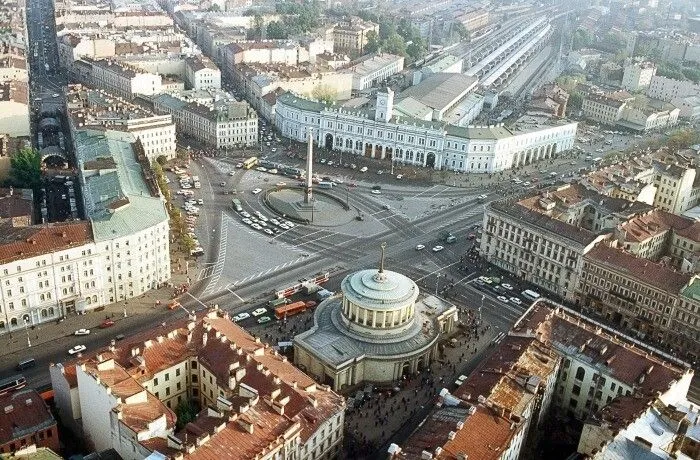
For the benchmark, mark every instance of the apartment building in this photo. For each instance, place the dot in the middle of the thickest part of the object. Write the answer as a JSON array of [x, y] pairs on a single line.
[[474, 19], [666, 89], [122, 79], [552, 361], [604, 109], [120, 252], [274, 52], [642, 296], [351, 35], [372, 70], [675, 186], [637, 76], [550, 100], [257, 80], [255, 404], [202, 73], [223, 123], [543, 238], [26, 421], [493, 413], [99, 109]]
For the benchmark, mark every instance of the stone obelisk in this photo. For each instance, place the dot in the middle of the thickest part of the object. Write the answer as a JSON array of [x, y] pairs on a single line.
[[309, 170]]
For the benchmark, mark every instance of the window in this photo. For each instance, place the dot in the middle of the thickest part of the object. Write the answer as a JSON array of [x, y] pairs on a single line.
[[580, 373], [155, 381], [576, 390]]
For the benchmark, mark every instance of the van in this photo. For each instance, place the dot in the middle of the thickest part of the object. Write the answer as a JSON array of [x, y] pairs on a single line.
[[530, 295], [26, 364]]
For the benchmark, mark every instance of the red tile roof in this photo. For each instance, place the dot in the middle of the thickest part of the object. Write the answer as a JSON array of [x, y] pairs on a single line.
[[25, 242], [22, 413]]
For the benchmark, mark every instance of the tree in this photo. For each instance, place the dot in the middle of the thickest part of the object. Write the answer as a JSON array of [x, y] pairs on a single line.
[[682, 139], [372, 45], [324, 93], [462, 31], [395, 44], [258, 25], [185, 412], [26, 168], [582, 39], [277, 31], [214, 8], [416, 49]]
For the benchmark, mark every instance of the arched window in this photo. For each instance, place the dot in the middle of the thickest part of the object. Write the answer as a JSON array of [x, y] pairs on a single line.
[[580, 373], [2, 324], [13, 322], [26, 318], [51, 311], [44, 313]]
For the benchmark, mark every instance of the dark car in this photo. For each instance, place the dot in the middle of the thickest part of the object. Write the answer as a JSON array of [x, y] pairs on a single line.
[[376, 187]]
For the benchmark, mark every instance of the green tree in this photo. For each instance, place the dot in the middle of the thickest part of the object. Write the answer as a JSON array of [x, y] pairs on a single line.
[[324, 93], [416, 49], [258, 25], [395, 44], [682, 139], [460, 30], [214, 8], [277, 30], [186, 412], [582, 39], [26, 168], [575, 101], [372, 45]]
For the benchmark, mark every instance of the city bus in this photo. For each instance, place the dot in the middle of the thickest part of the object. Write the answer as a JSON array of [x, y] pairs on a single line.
[[16, 382], [236, 203], [291, 309], [325, 184], [250, 162]]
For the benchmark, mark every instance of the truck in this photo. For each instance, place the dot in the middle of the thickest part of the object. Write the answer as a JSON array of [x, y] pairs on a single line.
[[449, 238], [274, 303]]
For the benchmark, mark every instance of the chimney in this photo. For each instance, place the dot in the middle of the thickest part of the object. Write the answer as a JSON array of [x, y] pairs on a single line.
[[204, 339]]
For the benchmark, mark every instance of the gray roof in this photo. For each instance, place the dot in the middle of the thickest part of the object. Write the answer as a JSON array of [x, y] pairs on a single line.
[[118, 200], [332, 343], [440, 90], [626, 449], [378, 291], [299, 102], [479, 132]]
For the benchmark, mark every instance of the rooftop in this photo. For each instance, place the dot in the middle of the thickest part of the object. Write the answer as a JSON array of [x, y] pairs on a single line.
[[372, 63], [242, 365], [441, 90], [24, 413], [24, 242], [656, 274], [122, 198]]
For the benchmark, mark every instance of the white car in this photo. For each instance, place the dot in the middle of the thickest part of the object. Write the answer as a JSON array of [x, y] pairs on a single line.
[[245, 214], [82, 332], [241, 316], [420, 247], [197, 185], [77, 349], [280, 184], [284, 227], [259, 311], [200, 201], [507, 286], [273, 149], [516, 301], [503, 299], [376, 192], [438, 248], [247, 221], [363, 169], [399, 176], [289, 224], [256, 191], [256, 227], [268, 231], [231, 173], [482, 197]]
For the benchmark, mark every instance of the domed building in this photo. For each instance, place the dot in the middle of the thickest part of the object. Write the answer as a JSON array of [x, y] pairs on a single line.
[[379, 329]]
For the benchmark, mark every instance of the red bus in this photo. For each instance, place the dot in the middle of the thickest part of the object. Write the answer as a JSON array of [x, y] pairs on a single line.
[[16, 382], [291, 309]]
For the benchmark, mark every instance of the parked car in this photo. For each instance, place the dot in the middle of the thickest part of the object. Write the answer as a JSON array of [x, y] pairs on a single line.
[[503, 299], [516, 301], [106, 323], [256, 191], [264, 319], [507, 286], [259, 311], [82, 332], [438, 248], [420, 247], [241, 316]]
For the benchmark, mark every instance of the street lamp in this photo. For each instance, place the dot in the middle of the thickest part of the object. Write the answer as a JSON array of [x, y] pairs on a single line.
[[437, 282], [480, 307], [29, 342]]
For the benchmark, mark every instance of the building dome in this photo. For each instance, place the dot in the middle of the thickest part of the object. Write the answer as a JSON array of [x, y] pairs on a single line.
[[378, 301]]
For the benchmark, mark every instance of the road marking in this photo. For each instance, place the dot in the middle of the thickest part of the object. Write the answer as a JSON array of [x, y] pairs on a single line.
[[232, 292], [424, 191]]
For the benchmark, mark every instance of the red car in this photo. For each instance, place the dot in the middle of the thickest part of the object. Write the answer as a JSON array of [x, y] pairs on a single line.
[[471, 236], [106, 323]]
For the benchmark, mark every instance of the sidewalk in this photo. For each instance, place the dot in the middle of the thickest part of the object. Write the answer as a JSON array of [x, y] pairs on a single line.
[[139, 310]]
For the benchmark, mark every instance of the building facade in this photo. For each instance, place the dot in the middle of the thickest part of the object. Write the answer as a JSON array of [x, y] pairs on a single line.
[[202, 73], [121, 79], [374, 69], [255, 403], [381, 133], [351, 35], [221, 124], [666, 89], [637, 76]]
